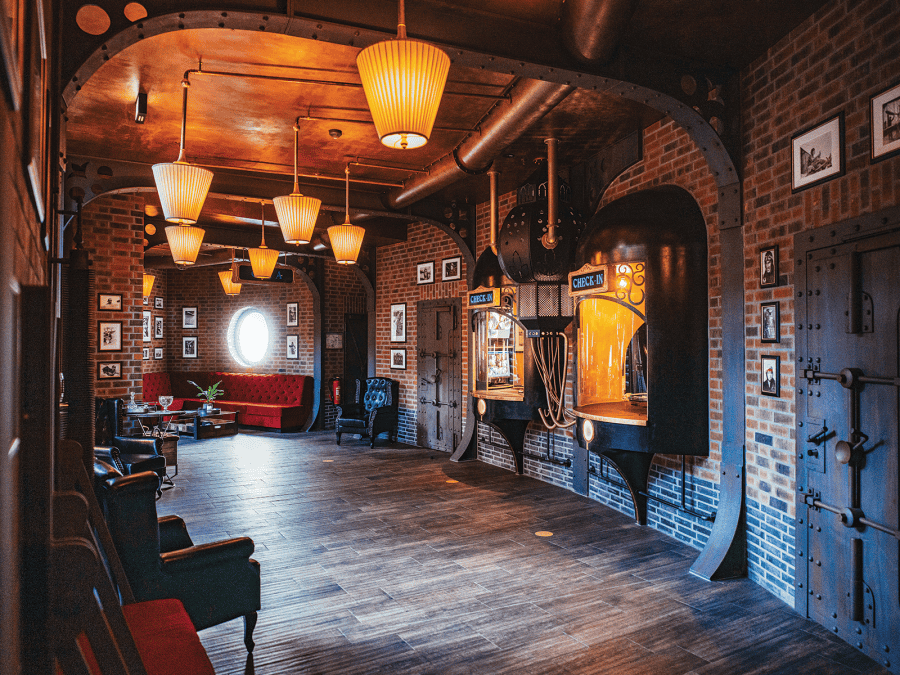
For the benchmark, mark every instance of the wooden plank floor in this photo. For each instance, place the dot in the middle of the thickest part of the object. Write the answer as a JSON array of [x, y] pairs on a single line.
[[396, 560]]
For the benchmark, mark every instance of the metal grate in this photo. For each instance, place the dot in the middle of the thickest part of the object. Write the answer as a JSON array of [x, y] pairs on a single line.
[[543, 300]]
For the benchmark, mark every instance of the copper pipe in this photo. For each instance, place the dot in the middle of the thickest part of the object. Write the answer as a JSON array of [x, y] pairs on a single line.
[[494, 208], [549, 240], [591, 28]]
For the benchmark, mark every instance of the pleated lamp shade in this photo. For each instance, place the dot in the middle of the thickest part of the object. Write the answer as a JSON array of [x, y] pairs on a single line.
[[346, 241], [403, 81], [263, 261], [297, 216], [228, 285], [148, 284], [184, 242], [182, 189]]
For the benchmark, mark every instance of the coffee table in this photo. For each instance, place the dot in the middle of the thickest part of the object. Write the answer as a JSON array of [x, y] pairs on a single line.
[[202, 424]]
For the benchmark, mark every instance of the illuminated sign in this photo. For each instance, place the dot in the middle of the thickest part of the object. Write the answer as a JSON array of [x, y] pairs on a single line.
[[484, 297], [281, 275], [589, 279]]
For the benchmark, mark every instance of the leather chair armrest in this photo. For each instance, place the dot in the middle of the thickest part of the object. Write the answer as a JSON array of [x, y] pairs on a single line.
[[110, 456], [136, 445], [203, 556], [173, 534], [350, 411]]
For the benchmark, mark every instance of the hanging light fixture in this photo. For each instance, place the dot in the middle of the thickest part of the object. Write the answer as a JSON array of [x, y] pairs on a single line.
[[148, 284], [297, 214], [403, 81], [263, 259], [227, 276], [182, 186], [346, 239], [184, 242]]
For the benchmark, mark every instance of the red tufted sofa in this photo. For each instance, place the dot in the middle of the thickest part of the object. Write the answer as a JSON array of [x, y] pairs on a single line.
[[276, 401]]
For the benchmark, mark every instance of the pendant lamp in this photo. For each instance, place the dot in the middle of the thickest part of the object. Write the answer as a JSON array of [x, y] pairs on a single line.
[[226, 276], [297, 214], [346, 239], [184, 242], [182, 186], [403, 81], [263, 259], [148, 284]]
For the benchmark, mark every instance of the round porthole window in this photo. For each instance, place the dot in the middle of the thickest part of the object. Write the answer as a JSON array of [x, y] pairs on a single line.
[[248, 336]]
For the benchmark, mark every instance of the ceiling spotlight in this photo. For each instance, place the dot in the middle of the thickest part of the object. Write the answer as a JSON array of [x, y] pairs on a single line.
[[140, 108], [335, 133]]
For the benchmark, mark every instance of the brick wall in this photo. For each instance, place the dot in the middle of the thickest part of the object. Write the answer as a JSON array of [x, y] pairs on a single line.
[[834, 62], [396, 283]]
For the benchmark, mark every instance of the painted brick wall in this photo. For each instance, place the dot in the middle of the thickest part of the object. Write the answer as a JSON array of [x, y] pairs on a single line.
[[834, 62], [112, 228], [396, 283]]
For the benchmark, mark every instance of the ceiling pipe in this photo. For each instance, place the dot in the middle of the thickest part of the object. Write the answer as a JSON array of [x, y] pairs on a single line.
[[530, 101], [591, 28], [549, 240], [494, 208]]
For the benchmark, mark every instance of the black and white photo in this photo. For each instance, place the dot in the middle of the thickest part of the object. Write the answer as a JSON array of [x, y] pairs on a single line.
[[425, 273], [398, 323], [770, 322], [292, 314], [157, 302], [148, 326], [109, 302], [157, 353], [188, 317], [884, 112], [293, 347], [146, 353], [398, 359], [189, 347], [817, 154], [450, 268], [768, 267], [770, 375], [109, 370], [109, 336], [157, 327]]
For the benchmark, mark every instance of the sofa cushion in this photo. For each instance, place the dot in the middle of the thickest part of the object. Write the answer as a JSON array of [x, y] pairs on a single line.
[[166, 639]]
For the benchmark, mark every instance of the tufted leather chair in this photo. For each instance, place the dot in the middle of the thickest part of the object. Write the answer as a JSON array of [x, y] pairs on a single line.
[[374, 410], [129, 454], [215, 582]]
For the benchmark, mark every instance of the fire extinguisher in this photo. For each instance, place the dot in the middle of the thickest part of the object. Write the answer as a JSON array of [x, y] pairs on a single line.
[[336, 390]]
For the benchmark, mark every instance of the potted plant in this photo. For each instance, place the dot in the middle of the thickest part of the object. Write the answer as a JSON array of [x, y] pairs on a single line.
[[210, 394]]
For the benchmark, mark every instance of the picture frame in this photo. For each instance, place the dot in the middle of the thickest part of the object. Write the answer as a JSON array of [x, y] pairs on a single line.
[[770, 322], [109, 370], [334, 340], [292, 314], [109, 302], [157, 353], [189, 347], [109, 336], [188, 317], [147, 334], [146, 353], [884, 123], [451, 268], [817, 154], [770, 375], [398, 359], [293, 346], [157, 327], [425, 273], [158, 303], [146, 300], [768, 267], [398, 322]]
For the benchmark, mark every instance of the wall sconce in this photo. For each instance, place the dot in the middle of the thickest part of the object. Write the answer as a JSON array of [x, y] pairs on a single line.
[[297, 214], [263, 259], [346, 239]]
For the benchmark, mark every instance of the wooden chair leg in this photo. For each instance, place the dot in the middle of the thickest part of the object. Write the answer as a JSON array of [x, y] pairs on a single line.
[[249, 625]]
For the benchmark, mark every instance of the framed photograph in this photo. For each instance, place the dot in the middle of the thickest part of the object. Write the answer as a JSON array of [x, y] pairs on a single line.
[[398, 359], [770, 375], [334, 340], [768, 267], [293, 347], [817, 154], [157, 327], [109, 336], [146, 300], [450, 268], [770, 322], [146, 353], [884, 117], [148, 329], [292, 314], [188, 317], [425, 273], [109, 302], [189, 347], [110, 370], [158, 303], [157, 353], [398, 323]]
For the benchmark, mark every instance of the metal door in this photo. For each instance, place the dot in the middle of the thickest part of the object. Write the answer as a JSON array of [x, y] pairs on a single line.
[[847, 439], [356, 350], [439, 364]]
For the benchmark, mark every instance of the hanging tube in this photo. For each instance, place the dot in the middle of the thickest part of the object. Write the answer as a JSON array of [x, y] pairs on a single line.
[[494, 210], [550, 240]]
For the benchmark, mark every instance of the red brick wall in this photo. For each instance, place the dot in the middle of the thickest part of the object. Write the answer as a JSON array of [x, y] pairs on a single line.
[[396, 283], [158, 292], [112, 228]]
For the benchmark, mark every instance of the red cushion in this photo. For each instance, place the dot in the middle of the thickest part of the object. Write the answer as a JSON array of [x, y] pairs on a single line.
[[155, 385], [166, 638]]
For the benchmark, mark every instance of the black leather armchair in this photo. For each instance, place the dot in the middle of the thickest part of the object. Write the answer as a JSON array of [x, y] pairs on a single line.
[[129, 454], [373, 411], [215, 582]]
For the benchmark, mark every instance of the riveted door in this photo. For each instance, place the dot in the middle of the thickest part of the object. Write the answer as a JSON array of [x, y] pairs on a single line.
[[847, 439], [439, 365]]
